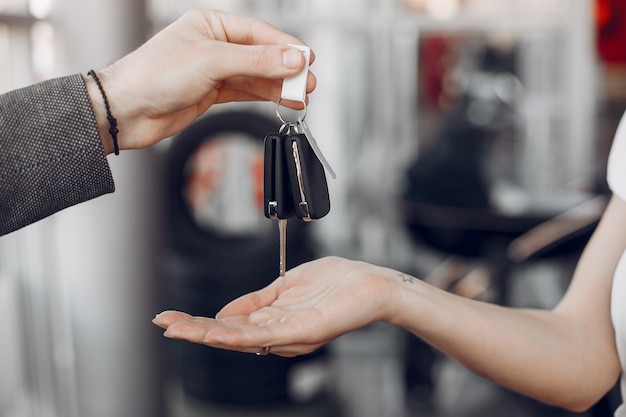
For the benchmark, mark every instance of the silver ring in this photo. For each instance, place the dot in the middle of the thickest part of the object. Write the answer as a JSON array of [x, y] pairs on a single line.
[[281, 117], [265, 350]]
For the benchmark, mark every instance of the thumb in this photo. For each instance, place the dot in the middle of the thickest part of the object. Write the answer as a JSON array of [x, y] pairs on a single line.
[[250, 302], [261, 61]]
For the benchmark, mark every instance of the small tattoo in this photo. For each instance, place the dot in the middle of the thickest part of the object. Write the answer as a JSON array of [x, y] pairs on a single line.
[[406, 278]]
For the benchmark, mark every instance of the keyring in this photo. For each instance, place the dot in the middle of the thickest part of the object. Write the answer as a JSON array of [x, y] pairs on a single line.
[[287, 127], [281, 117]]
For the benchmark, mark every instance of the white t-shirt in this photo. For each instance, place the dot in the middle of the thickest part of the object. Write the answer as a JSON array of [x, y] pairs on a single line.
[[616, 177]]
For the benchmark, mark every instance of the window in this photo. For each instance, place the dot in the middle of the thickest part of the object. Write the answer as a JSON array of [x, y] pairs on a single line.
[[27, 47], [27, 55]]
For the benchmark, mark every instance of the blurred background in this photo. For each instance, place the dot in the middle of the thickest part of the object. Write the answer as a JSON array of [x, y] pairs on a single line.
[[469, 138]]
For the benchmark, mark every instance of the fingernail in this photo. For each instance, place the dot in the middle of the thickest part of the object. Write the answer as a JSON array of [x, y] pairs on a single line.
[[291, 58]]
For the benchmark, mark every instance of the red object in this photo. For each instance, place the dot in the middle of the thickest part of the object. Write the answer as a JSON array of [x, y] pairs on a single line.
[[257, 172], [610, 18]]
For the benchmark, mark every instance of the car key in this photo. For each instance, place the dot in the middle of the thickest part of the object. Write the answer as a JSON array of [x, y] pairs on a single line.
[[282, 259], [309, 188], [278, 202]]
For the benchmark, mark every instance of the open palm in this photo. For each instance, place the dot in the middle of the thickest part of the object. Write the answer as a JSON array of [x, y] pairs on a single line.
[[296, 314]]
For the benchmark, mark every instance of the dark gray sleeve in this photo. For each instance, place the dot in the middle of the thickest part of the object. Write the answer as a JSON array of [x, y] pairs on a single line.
[[51, 156]]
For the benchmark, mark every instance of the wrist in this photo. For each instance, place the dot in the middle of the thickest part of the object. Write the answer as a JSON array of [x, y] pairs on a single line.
[[390, 291], [100, 113], [406, 296], [102, 108]]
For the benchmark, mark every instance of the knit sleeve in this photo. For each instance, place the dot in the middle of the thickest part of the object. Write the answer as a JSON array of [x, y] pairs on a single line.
[[51, 156]]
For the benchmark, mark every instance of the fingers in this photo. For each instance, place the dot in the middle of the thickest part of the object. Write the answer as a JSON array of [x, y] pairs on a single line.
[[279, 336], [242, 45], [250, 338], [239, 333], [249, 31], [167, 318], [228, 96], [249, 88], [199, 330]]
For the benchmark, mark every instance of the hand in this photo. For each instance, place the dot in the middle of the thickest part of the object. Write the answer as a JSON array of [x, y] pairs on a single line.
[[311, 305], [204, 58]]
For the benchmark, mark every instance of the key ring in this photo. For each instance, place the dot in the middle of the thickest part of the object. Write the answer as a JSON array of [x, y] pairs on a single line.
[[280, 117], [288, 127]]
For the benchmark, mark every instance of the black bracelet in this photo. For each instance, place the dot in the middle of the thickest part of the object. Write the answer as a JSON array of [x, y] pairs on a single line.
[[113, 130]]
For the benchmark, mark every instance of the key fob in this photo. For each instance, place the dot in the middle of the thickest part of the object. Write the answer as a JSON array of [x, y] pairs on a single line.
[[277, 199], [309, 188]]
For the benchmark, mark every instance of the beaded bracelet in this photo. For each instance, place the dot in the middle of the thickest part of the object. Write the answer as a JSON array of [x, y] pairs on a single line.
[[113, 130]]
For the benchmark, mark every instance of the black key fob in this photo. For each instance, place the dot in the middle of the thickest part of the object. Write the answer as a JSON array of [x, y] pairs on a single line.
[[277, 199], [309, 188]]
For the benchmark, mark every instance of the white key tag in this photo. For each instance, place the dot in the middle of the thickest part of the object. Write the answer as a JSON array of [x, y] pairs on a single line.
[[294, 87], [301, 124]]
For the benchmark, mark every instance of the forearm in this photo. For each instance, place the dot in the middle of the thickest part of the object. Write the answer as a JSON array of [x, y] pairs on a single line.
[[542, 354], [51, 155]]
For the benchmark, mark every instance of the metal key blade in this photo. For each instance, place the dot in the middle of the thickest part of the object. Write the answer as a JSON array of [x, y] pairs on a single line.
[[282, 231]]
